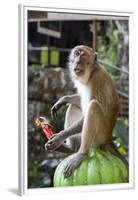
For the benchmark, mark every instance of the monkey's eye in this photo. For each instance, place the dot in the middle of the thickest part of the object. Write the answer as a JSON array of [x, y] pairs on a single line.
[[76, 53]]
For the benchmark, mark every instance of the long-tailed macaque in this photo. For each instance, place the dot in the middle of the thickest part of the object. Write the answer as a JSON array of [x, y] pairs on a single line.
[[92, 113]]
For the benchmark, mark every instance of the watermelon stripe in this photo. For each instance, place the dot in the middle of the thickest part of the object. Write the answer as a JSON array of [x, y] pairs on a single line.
[[100, 167]]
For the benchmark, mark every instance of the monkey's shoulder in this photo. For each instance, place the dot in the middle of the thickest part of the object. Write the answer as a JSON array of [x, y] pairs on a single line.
[[101, 73], [101, 78], [103, 87]]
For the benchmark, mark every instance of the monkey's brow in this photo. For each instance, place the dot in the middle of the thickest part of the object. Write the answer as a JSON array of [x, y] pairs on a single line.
[[80, 52], [83, 53]]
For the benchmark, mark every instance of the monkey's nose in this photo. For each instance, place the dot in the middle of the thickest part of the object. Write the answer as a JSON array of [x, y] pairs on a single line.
[[78, 62], [77, 69]]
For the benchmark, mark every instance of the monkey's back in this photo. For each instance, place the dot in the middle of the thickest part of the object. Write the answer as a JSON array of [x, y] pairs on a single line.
[[104, 91]]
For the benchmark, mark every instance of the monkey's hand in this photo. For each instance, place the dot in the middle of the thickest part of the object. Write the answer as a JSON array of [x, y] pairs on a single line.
[[57, 106], [74, 162], [54, 142]]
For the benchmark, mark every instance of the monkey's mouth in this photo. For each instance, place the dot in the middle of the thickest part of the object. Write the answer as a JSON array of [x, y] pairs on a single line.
[[78, 71]]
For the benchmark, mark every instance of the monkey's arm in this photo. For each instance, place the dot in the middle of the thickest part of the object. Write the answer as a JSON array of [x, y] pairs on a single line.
[[60, 137], [72, 99]]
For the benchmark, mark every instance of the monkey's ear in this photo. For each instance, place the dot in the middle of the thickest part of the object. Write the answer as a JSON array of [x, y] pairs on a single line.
[[95, 56]]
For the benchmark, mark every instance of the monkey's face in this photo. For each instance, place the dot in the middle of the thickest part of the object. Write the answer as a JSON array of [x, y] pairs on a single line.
[[81, 63]]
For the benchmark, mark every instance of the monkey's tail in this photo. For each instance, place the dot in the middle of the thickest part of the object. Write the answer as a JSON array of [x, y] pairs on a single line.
[[65, 149], [113, 149]]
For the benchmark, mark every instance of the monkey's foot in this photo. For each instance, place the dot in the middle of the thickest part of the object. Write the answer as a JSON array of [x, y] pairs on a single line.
[[73, 164]]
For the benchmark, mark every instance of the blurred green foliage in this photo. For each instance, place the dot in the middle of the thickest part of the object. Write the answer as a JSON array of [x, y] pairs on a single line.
[[108, 51], [33, 72], [121, 134]]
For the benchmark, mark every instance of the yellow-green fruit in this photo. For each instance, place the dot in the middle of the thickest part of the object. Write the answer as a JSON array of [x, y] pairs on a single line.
[[99, 167]]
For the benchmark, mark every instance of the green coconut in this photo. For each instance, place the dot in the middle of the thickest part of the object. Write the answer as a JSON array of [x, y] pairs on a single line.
[[100, 167]]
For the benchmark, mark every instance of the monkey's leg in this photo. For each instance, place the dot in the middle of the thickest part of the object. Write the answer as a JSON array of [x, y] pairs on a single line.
[[94, 132], [95, 129], [73, 114]]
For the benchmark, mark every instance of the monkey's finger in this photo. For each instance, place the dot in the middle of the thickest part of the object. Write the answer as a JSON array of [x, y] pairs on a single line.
[[54, 138], [47, 147], [55, 108], [54, 111], [48, 143], [67, 171], [52, 147], [54, 114], [51, 141], [66, 168], [66, 175]]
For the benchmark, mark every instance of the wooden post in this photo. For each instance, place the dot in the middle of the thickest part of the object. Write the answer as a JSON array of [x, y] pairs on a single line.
[[48, 52], [94, 36]]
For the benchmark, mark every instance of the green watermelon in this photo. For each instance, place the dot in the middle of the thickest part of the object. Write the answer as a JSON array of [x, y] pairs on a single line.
[[99, 167]]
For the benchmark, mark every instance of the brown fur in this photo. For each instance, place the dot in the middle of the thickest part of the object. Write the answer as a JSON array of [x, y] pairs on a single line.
[[96, 106]]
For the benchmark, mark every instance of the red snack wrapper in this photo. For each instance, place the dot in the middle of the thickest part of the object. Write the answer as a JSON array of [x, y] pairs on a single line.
[[47, 131], [46, 127]]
